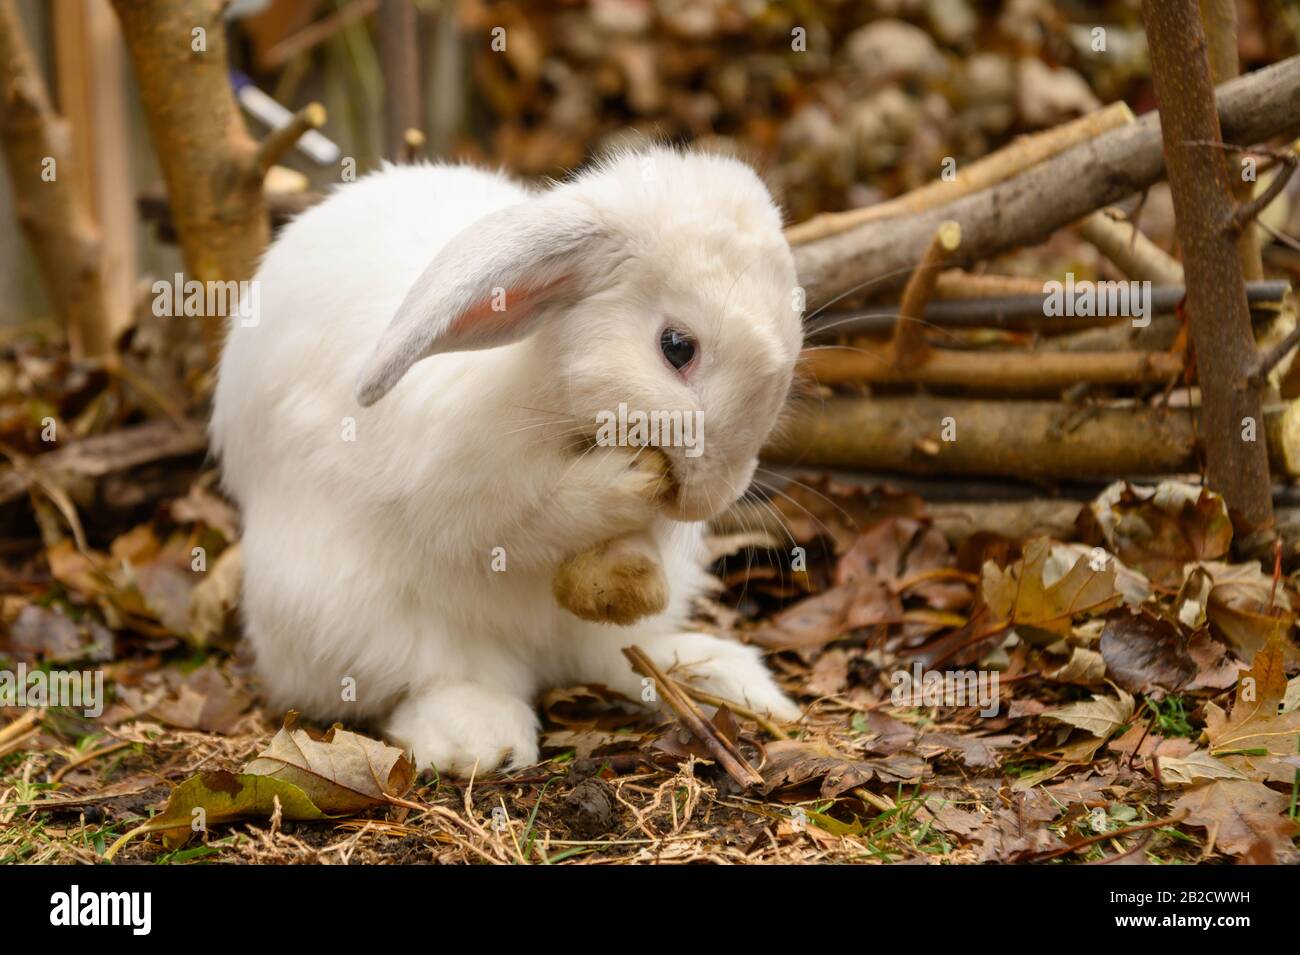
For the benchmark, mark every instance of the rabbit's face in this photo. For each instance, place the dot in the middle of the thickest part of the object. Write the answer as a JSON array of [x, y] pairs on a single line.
[[691, 348], [658, 298]]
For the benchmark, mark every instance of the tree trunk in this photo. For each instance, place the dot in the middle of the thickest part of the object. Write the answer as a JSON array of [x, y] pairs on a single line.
[[209, 161], [400, 57], [52, 207], [1216, 290]]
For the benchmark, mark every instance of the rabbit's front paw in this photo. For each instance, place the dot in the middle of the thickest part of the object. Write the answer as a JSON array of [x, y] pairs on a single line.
[[724, 668], [619, 582], [628, 483], [650, 476], [464, 728]]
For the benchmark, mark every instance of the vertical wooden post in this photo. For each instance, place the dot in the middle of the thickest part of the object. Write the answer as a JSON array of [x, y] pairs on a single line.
[[1219, 18], [90, 68], [1231, 415], [399, 55], [49, 196]]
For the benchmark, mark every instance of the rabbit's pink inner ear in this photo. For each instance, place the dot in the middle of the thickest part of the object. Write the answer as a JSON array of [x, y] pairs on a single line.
[[485, 321]]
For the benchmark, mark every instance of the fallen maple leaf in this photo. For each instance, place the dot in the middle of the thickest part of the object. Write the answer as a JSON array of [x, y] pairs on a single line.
[[797, 762], [1246, 607], [1195, 766], [309, 779], [342, 772], [1020, 597], [1079, 752], [1101, 716], [205, 700], [909, 555], [820, 507], [1257, 738], [829, 615], [1160, 530], [214, 598], [1243, 818]]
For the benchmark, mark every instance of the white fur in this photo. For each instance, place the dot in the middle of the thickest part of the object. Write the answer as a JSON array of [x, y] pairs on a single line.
[[371, 560]]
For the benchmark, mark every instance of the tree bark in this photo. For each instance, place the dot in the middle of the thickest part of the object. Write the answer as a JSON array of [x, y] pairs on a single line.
[[1219, 18], [52, 207], [1216, 288]]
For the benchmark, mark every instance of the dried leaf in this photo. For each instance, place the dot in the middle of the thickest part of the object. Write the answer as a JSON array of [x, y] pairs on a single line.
[[1159, 531], [1244, 818], [1256, 738], [214, 599], [1101, 716], [1145, 652], [1247, 608], [1197, 765], [1020, 596], [343, 772], [215, 797], [205, 700], [796, 763]]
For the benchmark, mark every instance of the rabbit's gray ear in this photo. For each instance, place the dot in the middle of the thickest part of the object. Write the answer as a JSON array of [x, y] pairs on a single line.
[[486, 288]]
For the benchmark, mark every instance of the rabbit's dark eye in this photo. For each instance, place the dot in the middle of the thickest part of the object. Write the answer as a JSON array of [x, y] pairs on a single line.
[[677, 346]]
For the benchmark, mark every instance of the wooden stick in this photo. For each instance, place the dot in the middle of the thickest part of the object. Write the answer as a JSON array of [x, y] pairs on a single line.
[[317, 33], [1014, 312], [708, 699], [995, 372], [110, 453], [1219, 18], [956, 283], [1028, 208], [280, 140], [1021, 154], [1269, 359], [1129, 249], [1025, 440], [909, 344], [723, 750], [90, 60], [1249, 211]]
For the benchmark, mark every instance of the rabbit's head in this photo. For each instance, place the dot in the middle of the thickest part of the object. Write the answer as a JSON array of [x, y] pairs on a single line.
[[659, 291]]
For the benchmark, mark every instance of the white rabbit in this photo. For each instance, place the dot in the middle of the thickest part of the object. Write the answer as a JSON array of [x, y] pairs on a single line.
[[399, 553]]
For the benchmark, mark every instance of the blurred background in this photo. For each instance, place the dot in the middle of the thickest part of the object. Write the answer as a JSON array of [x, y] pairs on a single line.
[[839, 102]]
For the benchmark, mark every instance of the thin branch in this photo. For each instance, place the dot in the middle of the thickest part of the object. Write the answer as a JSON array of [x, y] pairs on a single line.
[[723, 750], [909, 345], [1270, 359], [1129, 249], [281, 139], [413, 142], [1247, 212], [317, 33]]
